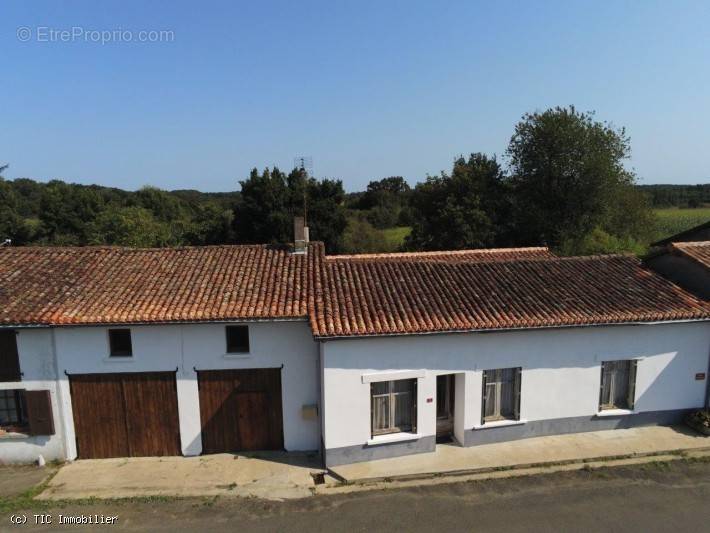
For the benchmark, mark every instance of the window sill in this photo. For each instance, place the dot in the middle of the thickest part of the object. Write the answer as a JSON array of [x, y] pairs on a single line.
[[500, 424], [393, 437], [245, 355], [13, 435], [119, 359], [615, 412]]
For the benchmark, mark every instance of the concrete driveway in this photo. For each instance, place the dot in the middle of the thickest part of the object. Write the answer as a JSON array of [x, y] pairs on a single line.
[[275, 476]]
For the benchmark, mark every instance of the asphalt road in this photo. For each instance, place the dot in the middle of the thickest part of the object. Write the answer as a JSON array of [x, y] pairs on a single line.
[[654, 497]]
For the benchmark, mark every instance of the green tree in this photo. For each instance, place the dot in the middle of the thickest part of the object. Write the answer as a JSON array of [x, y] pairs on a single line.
[[210, 224], [163, 205], [130, 226], [66, 212], [384, 200], [262, 214], [568, 179], [11, 223], [461, 210], [270, 200], [360, 237], [326, 212]]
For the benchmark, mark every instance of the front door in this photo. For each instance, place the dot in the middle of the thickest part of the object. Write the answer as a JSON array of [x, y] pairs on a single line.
[[445, 406]]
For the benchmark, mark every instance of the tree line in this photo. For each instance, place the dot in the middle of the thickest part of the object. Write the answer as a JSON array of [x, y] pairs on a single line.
[[560, 182]]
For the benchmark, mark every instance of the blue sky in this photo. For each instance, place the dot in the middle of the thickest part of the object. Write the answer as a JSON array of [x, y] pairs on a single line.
[[367, 89]]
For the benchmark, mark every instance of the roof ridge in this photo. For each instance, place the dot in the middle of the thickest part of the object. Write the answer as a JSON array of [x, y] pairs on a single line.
[[100, 247], [544, 259], [438, 252]]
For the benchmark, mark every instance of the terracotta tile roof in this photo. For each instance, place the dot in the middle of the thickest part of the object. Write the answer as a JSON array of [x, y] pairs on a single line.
[[698, 251], [342, 295], [479, 255], [386, 296], [95, 285]]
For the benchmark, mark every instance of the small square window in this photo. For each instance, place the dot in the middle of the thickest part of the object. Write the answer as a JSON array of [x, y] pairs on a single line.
[[120, 342], [237, 339]]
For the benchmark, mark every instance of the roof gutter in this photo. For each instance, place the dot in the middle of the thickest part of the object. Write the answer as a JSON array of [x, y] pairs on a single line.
[[324, 338], [155, 323]]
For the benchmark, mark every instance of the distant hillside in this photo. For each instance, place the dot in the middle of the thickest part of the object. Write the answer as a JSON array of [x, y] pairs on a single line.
[[59, 213], [678, 195]]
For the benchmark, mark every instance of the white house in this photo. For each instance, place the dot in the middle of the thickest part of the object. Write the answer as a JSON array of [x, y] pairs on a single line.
[[111, 352], [487, 346]]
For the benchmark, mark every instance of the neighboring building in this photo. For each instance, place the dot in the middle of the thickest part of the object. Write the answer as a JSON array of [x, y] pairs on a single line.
[[110, 352], [700, 232], [157, 352], [684, 263]]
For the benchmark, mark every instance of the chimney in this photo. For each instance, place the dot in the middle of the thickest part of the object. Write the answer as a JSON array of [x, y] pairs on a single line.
[[300, 235]]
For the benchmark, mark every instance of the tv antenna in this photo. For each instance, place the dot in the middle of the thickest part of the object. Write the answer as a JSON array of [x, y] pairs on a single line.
[[305, 164]]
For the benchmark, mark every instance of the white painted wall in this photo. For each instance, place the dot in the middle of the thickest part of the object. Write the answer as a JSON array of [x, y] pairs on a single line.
[[561, 372], [84, 350], [37, 364]]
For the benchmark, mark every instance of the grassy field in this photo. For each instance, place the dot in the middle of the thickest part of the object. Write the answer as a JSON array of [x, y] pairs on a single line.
[[674, 220], [395, 236], [669, 222]]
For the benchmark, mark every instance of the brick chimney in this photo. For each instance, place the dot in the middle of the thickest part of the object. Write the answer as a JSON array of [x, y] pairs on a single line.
[[300, 235]]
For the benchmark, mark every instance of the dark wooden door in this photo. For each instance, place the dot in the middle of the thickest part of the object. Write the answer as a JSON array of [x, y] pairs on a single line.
[[125, 415], [241, 410]]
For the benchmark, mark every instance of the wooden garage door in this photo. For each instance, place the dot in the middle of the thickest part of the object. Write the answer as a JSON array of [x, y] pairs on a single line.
[[241, 410], [125, 415]]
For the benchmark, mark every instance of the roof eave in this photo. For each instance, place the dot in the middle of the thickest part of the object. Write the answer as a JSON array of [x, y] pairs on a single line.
[[323, 338]]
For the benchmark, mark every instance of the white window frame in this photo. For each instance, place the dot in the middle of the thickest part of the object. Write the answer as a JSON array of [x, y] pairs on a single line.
[[630, 386], [392, 407], [517, 382]]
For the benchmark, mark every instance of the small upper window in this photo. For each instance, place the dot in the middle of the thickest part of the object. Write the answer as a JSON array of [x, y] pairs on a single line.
[[9, 359], [237, 339], [120, 342]]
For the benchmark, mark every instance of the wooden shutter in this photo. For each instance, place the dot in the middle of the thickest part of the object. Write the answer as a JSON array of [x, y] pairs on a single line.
[[601, 388], [414, 405], [39, 412], [631, 394], [516, 385], [483, 397], [9, 359]]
